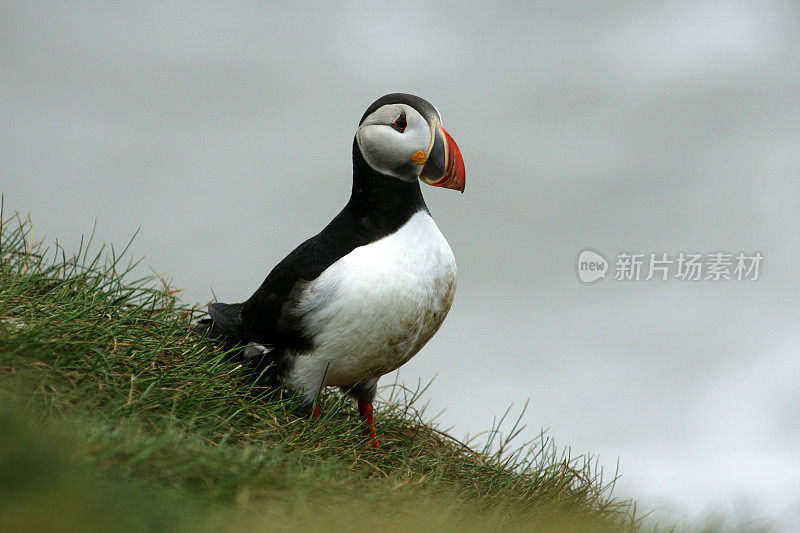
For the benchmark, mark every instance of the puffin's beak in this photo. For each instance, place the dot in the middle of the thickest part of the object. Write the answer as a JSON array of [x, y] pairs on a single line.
[[444, 166]]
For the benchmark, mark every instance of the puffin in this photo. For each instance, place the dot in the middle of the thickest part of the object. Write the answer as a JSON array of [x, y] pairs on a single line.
[[364, 295]]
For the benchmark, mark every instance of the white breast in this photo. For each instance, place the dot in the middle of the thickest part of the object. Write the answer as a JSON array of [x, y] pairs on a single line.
[[382, 303]]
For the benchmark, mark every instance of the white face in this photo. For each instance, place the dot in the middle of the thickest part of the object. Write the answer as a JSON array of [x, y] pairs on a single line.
[[388, 147]]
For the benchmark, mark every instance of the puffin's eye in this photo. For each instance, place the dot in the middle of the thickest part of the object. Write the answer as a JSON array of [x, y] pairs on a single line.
[[400, 124]]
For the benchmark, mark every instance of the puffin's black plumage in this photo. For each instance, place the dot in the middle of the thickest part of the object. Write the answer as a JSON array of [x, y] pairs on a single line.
[[377, 207]]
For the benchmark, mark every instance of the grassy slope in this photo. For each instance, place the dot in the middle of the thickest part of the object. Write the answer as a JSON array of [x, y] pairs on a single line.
[[112, 415]]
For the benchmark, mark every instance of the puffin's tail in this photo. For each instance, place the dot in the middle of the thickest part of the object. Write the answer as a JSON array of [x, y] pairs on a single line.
[[225, 323]]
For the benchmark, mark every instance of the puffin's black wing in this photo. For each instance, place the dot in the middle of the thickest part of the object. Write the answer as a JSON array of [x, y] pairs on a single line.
[[267, 316], [379, 206]]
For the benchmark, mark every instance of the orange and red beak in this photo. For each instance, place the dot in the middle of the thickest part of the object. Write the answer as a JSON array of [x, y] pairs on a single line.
[[444, 166]]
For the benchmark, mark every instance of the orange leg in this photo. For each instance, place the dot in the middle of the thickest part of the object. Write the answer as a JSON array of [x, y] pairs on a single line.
[[315, 412], [365, 409]]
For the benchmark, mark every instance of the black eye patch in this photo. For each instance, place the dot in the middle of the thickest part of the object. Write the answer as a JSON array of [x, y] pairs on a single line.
[[400, 124]]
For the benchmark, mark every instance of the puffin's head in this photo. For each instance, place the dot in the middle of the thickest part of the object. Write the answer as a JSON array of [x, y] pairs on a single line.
[[401, 135]]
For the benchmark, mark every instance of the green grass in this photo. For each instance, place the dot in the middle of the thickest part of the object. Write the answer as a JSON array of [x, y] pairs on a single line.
[[114, 417]]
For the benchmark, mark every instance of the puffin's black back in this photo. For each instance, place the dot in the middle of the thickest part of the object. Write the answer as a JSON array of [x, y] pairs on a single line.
[[379, 205]]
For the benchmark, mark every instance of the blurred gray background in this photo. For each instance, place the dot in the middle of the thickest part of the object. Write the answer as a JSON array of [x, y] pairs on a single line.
[[223, 131]]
